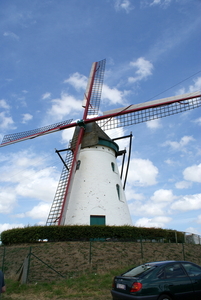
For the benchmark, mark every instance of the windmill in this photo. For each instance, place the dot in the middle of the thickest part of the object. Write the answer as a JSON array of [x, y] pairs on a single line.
[[90, 189]]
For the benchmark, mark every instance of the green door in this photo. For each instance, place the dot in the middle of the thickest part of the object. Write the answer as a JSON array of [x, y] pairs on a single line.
[[97, 220]]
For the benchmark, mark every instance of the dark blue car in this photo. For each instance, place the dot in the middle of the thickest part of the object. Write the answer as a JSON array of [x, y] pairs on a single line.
[[162, 280]]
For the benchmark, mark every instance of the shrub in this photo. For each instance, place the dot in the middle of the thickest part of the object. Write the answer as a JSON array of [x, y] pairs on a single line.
[[33, 234]]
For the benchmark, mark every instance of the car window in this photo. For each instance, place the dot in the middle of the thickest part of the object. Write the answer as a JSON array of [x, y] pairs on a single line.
[[174, 270], [161, 274], [191, 269], [135, 272]]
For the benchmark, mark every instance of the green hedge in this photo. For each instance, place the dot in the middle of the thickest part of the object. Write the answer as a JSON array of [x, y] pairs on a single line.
[[35, 234]]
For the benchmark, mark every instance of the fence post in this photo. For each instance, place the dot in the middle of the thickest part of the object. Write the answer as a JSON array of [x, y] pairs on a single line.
[[184, 237], [29, 260], [176, 237], [90, 251], [24, 273], [142, 256], [3, 259], [183, 251]]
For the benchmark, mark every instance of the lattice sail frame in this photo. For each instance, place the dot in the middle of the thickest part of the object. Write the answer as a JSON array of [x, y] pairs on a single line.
[[55, 210], [30, 134], [147, 111], [96, 91]]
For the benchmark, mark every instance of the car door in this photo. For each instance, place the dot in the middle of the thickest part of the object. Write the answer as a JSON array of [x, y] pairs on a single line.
[[178, 282], [194, 272]]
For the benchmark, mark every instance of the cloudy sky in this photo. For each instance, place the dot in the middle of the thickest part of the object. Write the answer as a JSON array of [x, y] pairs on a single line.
[[152, 48]]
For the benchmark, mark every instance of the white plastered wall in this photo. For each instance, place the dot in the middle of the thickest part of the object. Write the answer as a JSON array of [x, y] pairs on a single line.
[[94, 190]]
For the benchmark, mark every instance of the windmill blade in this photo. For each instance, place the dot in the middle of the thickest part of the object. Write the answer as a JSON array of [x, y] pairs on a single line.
[[148, 111], [94, 87], [56, 208], [30, 134]]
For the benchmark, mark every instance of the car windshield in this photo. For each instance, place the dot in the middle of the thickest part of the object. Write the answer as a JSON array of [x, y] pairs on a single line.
[[135, 272]]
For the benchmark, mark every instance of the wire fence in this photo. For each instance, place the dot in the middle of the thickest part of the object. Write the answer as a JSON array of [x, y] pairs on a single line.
[[53, 261]]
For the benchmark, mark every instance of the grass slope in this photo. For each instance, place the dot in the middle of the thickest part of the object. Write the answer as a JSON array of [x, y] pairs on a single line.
[[89, 287], [87, 268]]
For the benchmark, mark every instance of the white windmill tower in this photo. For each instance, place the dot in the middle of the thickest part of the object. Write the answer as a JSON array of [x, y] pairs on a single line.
[[90, 189]]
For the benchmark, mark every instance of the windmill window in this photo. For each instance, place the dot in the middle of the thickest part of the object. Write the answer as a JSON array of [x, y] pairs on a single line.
[[78, 164], [118, 190], [113, 166]]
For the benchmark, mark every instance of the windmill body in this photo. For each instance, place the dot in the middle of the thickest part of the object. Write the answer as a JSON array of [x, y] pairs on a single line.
[[97, 195], [90, 188]]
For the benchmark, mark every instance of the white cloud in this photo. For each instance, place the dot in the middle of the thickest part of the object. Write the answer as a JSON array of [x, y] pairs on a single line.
[[198, 121], [170, 162], [144, 69], [132, 195], [156, 2], [64, 106], [3, 104], [78, 81], [7, 226], [187, 203], [154, 124], [192, 230], [184, 141], [142, 172], [158, 204], [157, 222], [123, 5], [18, 161], [5, 121], [183, 185], [163, 196], [46, 96], [7, 200], [11, 35], [198, 219], [42, 185], [67, 135], [118, 132], [193, 173], [26, 118], [114, 95], [138, 208], [195, 87], [163, 3], [28, 176], [39, 211]]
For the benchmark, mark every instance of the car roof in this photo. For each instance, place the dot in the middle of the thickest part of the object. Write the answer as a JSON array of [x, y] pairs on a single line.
[[159, 263]]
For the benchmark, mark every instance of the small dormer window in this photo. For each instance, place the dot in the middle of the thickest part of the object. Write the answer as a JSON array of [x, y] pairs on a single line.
[[118, 190], [78, 164]]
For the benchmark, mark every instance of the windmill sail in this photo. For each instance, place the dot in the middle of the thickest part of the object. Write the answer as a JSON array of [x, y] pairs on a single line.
[[96, 88], [147, 111], [30, 134], [55, 210]]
